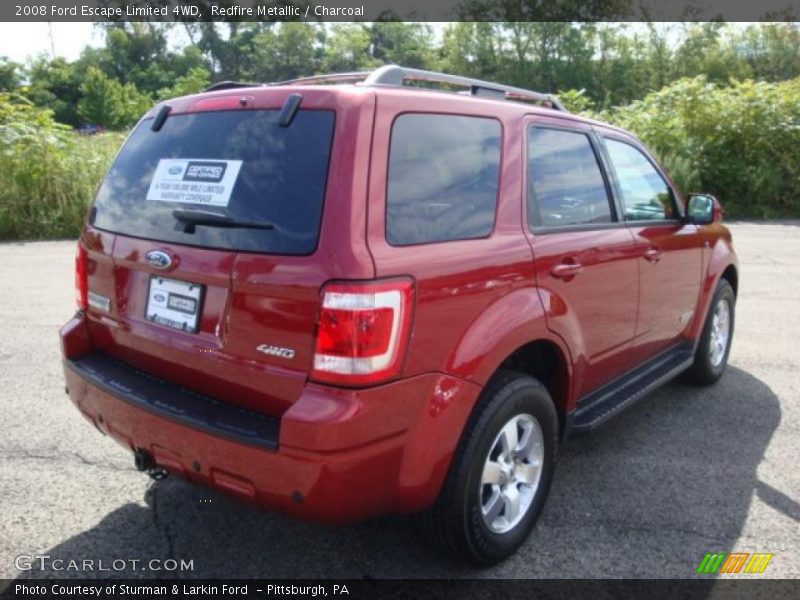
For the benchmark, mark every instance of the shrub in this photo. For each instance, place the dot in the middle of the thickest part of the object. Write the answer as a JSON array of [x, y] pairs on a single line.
[[48, 174], [740, 142], [109, 103]]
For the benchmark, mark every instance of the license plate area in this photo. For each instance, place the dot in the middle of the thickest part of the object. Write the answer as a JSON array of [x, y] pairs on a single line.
[[174, 303]]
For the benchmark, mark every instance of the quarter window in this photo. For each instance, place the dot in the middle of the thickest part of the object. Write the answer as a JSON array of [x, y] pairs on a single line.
[[645, 194], [443, 178], [565, 183]]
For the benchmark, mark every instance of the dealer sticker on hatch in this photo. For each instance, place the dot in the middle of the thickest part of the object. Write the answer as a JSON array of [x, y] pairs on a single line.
[[194, 181]]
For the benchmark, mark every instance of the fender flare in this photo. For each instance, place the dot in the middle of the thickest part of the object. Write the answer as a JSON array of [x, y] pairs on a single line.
[[505, 326], [512, 321], [722, 256]]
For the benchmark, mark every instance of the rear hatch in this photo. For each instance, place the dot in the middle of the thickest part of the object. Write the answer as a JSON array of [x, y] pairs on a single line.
[[213, 283]]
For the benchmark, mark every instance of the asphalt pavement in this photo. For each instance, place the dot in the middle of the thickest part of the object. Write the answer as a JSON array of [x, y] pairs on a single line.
[[684, 472]]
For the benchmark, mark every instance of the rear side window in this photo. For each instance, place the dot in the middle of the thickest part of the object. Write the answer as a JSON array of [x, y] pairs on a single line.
[[645, 194], [443, 178], [565, 184], [239, 165]]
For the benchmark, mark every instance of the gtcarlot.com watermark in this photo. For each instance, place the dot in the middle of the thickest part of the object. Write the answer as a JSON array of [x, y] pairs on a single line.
[[45, 562]]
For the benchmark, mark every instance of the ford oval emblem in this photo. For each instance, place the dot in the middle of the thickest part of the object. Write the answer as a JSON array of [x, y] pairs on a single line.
[[176, 170], [158, 259]]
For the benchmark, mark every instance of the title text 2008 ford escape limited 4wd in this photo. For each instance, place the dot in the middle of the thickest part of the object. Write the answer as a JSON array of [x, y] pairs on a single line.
[[345, 295]]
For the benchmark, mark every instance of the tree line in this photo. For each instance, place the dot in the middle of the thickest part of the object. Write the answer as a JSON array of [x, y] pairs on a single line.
[[611, 64]]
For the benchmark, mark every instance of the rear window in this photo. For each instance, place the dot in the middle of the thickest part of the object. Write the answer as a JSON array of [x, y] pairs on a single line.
[[240, 165], [443, 176]]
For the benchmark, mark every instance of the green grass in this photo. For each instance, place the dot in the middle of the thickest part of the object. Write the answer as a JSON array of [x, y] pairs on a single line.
[[48, 173], [47, 182]]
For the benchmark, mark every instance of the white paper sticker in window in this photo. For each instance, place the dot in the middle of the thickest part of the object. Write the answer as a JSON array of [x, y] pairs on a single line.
[[194, 181]]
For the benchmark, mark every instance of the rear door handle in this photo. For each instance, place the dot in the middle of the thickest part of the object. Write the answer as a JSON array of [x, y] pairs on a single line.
[[653, 254], [567, 270]]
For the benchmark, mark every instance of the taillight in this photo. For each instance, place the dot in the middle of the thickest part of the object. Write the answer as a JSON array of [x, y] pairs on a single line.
[[81, 279], [363, 331]]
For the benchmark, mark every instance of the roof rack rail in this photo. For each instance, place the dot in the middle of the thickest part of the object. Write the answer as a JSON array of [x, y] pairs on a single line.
[[352, 77], [230, 85], [394, 75]]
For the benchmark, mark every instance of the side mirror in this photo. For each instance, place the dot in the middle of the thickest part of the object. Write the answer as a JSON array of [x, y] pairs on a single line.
[[702, 209]]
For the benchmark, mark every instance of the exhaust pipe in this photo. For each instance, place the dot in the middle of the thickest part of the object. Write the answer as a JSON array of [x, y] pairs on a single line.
[[144, 462]]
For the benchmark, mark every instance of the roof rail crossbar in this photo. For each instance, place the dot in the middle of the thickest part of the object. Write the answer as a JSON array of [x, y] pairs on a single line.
[[396, 75]]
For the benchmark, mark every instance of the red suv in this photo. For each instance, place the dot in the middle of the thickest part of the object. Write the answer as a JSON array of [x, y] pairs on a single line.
[[396, 291]]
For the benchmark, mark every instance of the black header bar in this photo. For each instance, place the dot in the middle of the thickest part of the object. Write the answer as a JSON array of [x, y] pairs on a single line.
[[405, 10], [371, 589]]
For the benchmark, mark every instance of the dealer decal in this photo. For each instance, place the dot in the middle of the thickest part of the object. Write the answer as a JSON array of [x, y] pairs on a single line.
[[194, 181]]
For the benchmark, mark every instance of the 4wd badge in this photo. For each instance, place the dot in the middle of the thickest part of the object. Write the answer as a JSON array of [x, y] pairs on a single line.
[[270, 350]]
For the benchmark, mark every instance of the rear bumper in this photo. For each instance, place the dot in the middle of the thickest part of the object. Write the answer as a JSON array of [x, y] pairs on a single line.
[[335, 456]]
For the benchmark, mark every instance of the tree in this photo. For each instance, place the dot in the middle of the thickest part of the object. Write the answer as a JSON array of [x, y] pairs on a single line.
[[618, 74], [704, 50], [56, 85], [471, 49], [658, 57], [739, 141], [10, 75], [230, 46], [576, 62], [287, 51], [407, 44], [196, 80], [772, 50], [535, 10], [347, 48], [191, 57], [109, 103], [137, 53]]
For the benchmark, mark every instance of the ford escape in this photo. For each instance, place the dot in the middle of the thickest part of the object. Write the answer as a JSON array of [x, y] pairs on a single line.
[[397, 291]]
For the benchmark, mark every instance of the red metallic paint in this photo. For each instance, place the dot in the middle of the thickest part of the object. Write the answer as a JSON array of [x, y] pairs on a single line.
[[599, 333], [668, 286], [250, 299], [670, 260], [346, 454], [350, 453], [718, 255]]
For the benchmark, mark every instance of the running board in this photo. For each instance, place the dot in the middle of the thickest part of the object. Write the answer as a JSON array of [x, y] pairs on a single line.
[[609, 400]]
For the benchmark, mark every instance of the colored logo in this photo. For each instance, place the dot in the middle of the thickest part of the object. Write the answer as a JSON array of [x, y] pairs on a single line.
[[175, 170], [733, 563], [158, 259]]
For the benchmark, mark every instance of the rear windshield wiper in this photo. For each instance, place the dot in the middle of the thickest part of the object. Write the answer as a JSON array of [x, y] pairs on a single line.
[[191, 218]]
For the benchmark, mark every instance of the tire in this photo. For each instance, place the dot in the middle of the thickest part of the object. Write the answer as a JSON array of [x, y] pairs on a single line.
[[511, 403], [710, 357]]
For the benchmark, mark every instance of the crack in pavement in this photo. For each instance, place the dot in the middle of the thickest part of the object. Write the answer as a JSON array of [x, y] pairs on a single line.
[[74, 457], [152, 495]]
